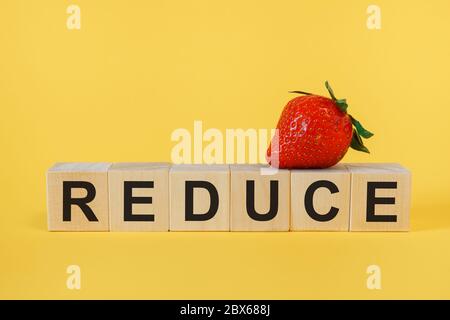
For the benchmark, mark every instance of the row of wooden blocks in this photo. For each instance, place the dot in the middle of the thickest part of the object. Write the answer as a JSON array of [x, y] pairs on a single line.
[[163, 197]]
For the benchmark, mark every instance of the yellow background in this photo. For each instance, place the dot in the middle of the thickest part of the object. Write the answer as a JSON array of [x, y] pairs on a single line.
[[137, 70]]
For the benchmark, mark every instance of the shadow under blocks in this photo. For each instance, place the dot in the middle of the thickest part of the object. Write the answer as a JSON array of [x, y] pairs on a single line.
[[150, 197]]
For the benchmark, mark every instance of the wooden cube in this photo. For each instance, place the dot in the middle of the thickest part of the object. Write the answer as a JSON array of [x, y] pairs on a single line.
[[380, 197], [320, 199], [77, 197], [139, 196], [259, 202], [199, 198]]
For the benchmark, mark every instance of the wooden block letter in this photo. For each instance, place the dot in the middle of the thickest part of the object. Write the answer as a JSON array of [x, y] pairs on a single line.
[[139, 196], [77, 197], [199, 198], [320, 199], [380, 197], [259, 202]]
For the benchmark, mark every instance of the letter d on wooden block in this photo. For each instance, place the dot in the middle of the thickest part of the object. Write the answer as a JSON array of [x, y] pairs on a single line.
[[259, 202], [77, 197], [320, 199], [199, 198], [139, 196], [380, 197]]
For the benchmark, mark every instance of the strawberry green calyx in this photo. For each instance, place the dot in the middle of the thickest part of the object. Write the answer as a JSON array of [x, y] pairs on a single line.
[[341, 103], [359, 131]]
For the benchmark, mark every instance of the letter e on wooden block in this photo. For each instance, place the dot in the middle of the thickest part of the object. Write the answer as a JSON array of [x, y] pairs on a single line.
[[320, 199], [380, 197], [77, 197], [139, 196], [199, 197], [259, 202]]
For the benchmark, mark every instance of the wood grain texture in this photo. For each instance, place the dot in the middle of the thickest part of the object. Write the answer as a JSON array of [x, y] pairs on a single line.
[[240, 218], [219, 177], [322, 199], [395, 176], [364, 197], [158, 175], [94, 173]]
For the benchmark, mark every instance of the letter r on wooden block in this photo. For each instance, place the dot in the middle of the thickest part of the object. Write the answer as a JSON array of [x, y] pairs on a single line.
[[320, 199], [199, 198], [259, 202], [380, 197], [77, 197], [139, 196]]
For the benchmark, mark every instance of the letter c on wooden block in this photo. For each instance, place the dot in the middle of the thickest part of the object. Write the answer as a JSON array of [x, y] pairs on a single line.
[[309, 201], [320, 199], [259, 202], [199, 197], [77, 197]]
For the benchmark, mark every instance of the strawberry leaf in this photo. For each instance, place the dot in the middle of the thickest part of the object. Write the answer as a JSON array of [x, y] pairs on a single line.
[[357, 143], [327, 85], [301, 92], [342, 104], [360, 129]]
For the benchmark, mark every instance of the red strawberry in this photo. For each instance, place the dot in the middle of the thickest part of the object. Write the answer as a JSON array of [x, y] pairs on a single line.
[[315, 132]]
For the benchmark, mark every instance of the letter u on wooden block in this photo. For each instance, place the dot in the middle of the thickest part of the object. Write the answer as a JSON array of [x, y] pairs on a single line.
[[380, 197], [199, 198], [320, 199], [77, 197], [139, 196], [259, 202]]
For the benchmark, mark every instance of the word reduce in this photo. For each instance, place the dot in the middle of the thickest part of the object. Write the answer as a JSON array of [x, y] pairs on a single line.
[[163, 197]]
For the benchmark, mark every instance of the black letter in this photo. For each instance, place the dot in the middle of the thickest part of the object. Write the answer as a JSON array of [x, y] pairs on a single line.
[[251, 201], [68, 201], [189, 200], [309, 201], [129, 200], [372, 201]]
